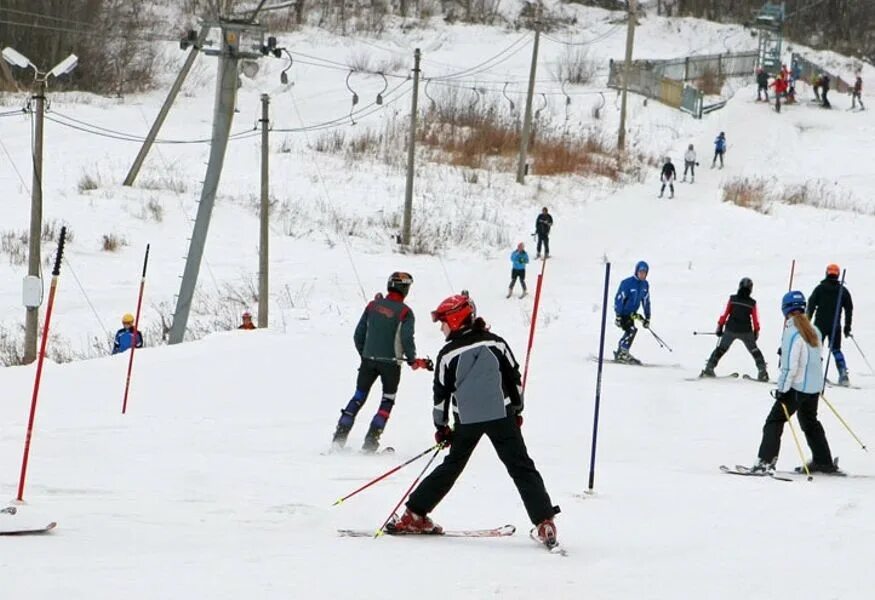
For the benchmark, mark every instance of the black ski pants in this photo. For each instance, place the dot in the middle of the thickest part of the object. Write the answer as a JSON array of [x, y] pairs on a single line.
[[690, 167], [389, 373], [507, 439], [518, 274], [749, 341], [806, 405], [718, 154], [544, 239]]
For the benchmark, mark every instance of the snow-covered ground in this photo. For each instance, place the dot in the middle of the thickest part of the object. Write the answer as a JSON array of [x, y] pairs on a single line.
[[214, 484]]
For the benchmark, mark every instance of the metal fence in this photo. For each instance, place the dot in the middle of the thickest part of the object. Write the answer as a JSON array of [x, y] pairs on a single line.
[[809, 70]]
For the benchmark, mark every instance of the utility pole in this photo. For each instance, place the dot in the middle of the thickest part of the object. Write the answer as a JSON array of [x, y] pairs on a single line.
[[264, 213], [31, 317], [527, 119], [411, 146], [627, 72], [168, 102]]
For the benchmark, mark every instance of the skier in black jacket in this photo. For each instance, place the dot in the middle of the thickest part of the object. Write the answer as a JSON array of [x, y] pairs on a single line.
[[762, 84], [477, 379], [668, 176], [822, 305], [739, 322], [543, 224]]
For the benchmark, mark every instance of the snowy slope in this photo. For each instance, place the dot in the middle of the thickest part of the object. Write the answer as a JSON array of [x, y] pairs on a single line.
[[214, 485]]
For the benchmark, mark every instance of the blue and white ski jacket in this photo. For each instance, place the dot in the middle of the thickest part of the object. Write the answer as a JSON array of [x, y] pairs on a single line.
[[520, 259], [632, 293], [801, 365]]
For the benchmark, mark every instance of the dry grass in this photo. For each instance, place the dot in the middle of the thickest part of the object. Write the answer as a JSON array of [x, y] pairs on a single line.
[[747, 192], [575, 66], [113, 242]]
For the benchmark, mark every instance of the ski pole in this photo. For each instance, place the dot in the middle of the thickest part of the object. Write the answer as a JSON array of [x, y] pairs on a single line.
[[704, 333], [534, 322], [842, 421], [384, 475], [860, 350], [659, 340], [56, 272], [136, 331], [796, 439], [382, 528], [792, 271]]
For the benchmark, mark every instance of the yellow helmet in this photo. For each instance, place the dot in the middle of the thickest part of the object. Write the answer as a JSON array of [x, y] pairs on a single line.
[[127, 318]]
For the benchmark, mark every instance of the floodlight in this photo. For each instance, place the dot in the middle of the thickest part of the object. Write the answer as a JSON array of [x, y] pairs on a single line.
[[16, 58], [65, 66]]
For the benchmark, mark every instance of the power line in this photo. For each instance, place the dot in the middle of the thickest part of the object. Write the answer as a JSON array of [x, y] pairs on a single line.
[[156, 38], [125, 137], [482, 66], [42, 16], [598, 38]]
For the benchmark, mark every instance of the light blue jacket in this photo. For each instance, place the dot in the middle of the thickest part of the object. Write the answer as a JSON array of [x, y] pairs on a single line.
[[801, 365], [519, 258]]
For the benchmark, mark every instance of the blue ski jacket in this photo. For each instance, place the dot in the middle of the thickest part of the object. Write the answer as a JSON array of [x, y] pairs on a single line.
[[519, 258], [632, 293], [720, 144], [124, 340]]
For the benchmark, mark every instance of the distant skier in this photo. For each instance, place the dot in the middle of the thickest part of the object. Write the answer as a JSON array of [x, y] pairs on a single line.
[[739, 322], [667, 177], [543, 224], [799, 385], [247, 321], [762, 84], [633, 292], [815, 86], [519, 258], [822, 306], [477, 379], [719, 149], [124, 337], [857, 94], [690, 164], [384, 333], [824, 90], [780, 85]]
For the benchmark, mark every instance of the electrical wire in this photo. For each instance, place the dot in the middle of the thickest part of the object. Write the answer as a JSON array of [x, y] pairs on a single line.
[[478, 68], [85, 294], [42, 16], [12, 113], [156, 38], [598, 38], [14, 168]]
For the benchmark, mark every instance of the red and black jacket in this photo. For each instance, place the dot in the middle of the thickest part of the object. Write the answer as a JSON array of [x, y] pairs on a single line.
[[740, 315]]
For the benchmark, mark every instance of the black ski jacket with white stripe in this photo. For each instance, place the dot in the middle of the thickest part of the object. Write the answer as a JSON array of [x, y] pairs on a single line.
[[477, 377]]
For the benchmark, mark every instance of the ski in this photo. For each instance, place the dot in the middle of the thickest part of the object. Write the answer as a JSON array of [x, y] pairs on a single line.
[[4, 530], [746, 472], [836, 384], [333, 451], [637, 363], [704, 377], [503, 531], [554, 549], [751, 378]]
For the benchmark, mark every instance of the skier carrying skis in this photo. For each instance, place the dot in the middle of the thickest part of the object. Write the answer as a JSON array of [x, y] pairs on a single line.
[[667, 176], [632, 293], [478, 379], [762, 84], [822, 306], [739, 322], [857, 94], [124, 337], [519, 258], [690, 164], [719, 149], [543, 224], [384, 333], [799, 385]]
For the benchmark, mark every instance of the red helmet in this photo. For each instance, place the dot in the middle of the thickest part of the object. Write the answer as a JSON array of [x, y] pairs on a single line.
[[455, 311], [833, 270]]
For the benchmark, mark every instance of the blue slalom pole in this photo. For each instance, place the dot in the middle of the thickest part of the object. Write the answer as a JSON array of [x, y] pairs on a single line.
[[835, 326], [598, 384]]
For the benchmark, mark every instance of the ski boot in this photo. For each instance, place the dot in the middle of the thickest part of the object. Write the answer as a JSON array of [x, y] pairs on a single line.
[[509, 293], [547, 533], [524, 294], [410, 522], [623, 356], [340, 435], [372, 440], [708, 371], [844, 381], [763, 375], [764, 467], [537, 256], [814, 467]]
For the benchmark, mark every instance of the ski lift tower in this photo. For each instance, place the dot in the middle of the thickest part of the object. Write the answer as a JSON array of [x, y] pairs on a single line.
[[769, 23]]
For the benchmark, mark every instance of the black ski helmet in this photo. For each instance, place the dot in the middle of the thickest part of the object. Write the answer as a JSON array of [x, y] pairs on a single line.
[[399, 282], [745, 284]]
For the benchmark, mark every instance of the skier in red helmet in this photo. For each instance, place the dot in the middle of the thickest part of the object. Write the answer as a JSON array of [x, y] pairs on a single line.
[[476, 378]]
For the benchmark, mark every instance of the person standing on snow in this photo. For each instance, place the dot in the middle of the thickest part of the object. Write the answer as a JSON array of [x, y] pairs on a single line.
[[519, 258], [740, 322], [690, 164], [762, 84], [543, 224], [667, 176], [824, 90], [822, 306], [719, 149], [780, 85], [633, 292], [857, 94], [383, 335], [124, 337], [799, 385], [476, 378], [247, 323]]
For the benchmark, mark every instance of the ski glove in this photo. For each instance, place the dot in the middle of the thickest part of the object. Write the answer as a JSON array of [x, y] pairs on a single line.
[[443, 435], [618, 321], [421, 363], [646, 323], [848, 331], [719, 331], [519, 420]]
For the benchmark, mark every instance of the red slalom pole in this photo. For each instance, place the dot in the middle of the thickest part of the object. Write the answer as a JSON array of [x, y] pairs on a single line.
[[382, 528], [136, 331], [56, 271], [384, 475], [534, 321], [792, 271]]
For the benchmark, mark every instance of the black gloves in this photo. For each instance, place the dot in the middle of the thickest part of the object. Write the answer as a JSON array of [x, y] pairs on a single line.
[[719, 332], [848, 331], [646, 323], [618, 321]]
